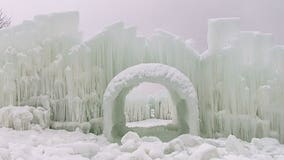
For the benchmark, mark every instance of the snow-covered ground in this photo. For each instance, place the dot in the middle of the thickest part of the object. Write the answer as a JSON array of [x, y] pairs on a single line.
[[38, 144], [149, 123]]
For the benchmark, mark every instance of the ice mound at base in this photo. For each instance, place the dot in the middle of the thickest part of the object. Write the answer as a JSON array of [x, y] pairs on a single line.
[[72, 126], [95, 126], [21, 118]]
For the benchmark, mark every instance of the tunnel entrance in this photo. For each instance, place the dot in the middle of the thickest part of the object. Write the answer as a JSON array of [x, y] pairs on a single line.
[[180, 89], [149, 105], [150, 111]]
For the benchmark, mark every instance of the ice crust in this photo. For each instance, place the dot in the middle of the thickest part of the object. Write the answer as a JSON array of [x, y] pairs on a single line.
[[239, 80]]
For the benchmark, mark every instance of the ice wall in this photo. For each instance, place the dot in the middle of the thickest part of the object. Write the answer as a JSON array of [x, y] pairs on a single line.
[[240, 83], [45, 64], [40, 65], [239, 79]]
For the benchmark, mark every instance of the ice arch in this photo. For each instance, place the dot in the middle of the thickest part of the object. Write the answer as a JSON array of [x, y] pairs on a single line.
[[179, 85]]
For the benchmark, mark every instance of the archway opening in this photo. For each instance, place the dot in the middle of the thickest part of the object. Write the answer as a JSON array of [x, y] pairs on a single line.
[[179, 86], [149, 105]]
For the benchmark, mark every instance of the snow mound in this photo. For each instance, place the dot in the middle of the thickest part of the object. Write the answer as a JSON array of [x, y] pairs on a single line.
[[130, 142], [205, 152], [21, 117], [86, 149], [235, 145], [190, 140]]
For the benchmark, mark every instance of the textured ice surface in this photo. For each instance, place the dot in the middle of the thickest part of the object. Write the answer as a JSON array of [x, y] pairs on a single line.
[[239, 80]]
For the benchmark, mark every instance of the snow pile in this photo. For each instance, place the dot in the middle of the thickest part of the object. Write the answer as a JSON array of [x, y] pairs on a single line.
[[21, 118], [18, 118], [130, 142], [188, 147], [48, 144], [85, 149], [64, 145]]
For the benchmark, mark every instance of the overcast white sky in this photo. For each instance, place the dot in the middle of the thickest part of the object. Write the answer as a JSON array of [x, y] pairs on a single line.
[[186, 18]]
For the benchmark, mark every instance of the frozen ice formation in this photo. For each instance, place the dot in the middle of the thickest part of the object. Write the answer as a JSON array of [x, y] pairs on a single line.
[[239, 80], [179, 86], [21, 118]]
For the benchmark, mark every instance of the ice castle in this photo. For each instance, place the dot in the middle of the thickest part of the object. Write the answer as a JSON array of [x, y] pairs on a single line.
[[49, 75]]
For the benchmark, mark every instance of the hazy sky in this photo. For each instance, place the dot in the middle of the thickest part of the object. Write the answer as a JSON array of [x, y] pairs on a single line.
[[186, 18]]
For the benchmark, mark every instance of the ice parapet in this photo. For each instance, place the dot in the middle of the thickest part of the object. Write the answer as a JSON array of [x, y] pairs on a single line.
[[222, 32]]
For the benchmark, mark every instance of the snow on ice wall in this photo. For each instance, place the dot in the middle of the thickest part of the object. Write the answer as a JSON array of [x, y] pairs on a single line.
[[239, 79]]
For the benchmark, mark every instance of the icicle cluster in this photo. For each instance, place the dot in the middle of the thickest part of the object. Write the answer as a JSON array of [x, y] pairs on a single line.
[[241, 83], [239, 79], [43, 64], [140, 107]]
